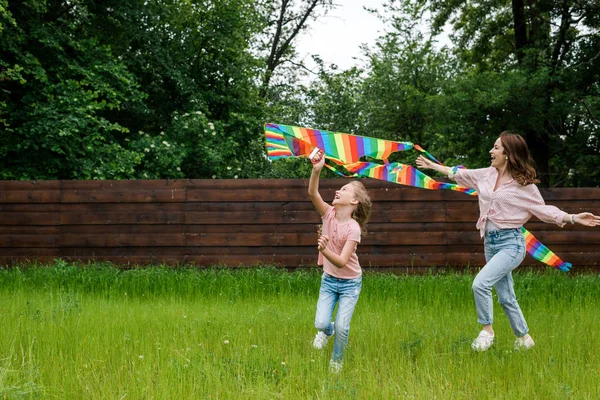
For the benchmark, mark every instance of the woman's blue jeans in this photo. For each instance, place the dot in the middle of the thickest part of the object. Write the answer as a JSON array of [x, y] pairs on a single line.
[[345, 293], [504, 251]]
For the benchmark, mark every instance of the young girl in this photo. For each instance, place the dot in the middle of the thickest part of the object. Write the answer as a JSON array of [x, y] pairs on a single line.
[[508, 197], [342, 276]]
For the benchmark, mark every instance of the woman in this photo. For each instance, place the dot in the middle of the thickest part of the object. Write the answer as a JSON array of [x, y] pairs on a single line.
[[508, 197]]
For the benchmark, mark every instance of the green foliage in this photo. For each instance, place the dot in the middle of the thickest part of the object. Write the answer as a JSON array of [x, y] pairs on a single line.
[[148, 89]]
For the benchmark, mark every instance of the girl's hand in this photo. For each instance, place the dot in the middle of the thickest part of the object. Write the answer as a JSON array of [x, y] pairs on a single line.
[[318, 160], [587, 219], [424, 163], [322, 243]]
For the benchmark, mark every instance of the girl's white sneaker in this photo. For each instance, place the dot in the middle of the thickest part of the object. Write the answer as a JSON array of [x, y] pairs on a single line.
[[524, 343], [320, 340], [483, 342]]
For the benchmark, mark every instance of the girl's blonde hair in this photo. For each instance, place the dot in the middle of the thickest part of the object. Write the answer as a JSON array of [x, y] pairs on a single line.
[[363, 209]]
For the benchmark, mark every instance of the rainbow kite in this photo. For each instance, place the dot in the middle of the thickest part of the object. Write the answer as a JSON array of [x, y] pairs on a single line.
[[345, 151]]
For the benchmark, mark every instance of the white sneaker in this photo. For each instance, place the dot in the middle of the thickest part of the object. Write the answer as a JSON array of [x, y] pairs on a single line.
[[524, 343], [320, 340], [483, 342], [335, 367]]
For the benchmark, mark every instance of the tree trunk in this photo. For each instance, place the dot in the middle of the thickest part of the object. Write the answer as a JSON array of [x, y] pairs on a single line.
[[518, 7], [538, 143]]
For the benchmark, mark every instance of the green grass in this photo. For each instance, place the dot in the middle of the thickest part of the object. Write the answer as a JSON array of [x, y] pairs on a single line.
[[97, 332]]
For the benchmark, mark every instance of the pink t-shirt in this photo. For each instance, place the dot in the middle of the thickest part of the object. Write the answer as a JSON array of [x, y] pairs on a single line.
[[339, 234], [511, 205]]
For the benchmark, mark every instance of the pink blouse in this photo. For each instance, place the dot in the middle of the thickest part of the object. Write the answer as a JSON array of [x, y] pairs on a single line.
[[511, 205], [339, 234]]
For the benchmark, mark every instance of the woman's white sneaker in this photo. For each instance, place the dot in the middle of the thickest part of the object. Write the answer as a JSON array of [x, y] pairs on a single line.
[[335, 367], [524, 343], [483, 342]]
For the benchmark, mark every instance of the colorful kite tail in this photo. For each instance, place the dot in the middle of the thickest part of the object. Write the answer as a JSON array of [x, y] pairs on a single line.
[[541, 253]]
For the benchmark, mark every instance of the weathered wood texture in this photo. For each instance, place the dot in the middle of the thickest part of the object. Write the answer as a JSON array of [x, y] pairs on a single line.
[[250, 222]]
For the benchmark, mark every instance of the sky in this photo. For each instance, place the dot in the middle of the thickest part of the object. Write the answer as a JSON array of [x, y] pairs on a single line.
[[337, 36]]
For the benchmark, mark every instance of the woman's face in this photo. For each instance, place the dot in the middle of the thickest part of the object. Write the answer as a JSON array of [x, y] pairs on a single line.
[[499, 159]]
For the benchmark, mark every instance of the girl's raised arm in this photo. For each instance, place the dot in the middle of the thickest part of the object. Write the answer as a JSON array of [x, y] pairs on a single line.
[[313, 185]]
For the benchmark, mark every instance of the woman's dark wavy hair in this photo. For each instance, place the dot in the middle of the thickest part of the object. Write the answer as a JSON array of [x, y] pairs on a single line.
[[520, 164]]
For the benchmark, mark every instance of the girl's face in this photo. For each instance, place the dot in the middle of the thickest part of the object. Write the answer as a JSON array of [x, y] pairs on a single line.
[[345, 196], [498, 157]]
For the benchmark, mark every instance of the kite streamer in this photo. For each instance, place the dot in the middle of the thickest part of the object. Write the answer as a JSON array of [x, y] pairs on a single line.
[[541, 253], [346, 151]]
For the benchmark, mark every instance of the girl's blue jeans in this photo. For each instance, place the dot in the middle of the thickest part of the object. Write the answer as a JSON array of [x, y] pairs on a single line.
[[504, 251], [343, 292]]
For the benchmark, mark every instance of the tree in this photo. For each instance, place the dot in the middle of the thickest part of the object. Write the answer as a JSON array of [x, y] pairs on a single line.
[[56, 88], [555, 45], [286, 19]]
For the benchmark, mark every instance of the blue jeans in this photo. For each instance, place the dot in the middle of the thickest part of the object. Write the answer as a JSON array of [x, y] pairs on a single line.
[[504, 251], [345, 292]]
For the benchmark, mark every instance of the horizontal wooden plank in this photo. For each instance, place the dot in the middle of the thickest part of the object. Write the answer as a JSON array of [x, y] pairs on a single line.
[[124, 185], [364, 250], [122, 196], [15, 240], [116, 240], [30, 196], [29, 252], [297, 227], [29, 207], [29, 229], [583, 239], [82, 218], [29, 185], [30, 218]]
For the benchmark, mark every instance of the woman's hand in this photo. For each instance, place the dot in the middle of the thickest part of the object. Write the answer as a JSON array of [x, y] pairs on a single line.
[[587, 219], [322, 243], [424, 163]]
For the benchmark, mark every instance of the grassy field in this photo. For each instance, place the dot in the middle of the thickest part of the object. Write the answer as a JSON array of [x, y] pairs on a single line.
[[96, 332]]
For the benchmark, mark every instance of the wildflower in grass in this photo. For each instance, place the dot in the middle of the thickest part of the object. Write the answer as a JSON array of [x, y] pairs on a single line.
[[254, 346], [141, 357], [226, 341]]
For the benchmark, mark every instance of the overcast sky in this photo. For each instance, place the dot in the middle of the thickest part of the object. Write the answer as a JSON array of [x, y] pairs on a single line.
[[337, 37]]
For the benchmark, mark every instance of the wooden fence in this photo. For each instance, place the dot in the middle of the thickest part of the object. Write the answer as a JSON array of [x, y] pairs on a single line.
[[249, 222]]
